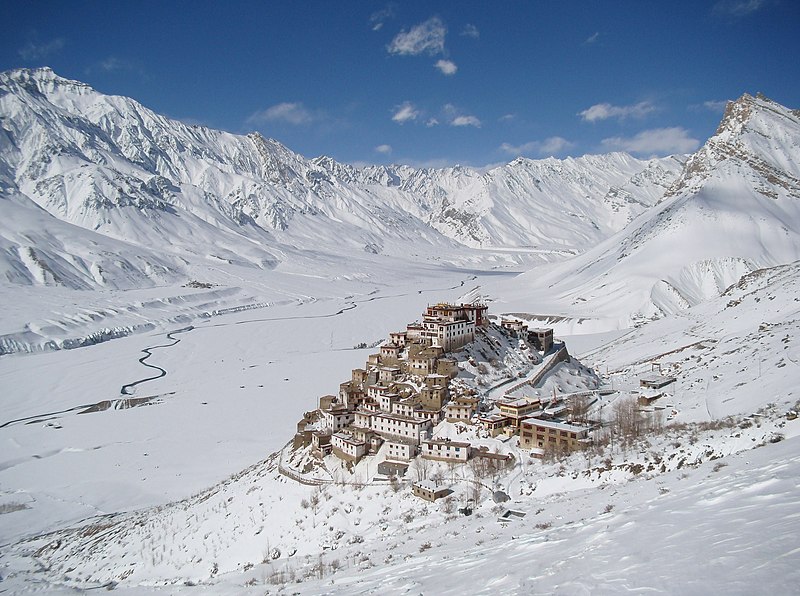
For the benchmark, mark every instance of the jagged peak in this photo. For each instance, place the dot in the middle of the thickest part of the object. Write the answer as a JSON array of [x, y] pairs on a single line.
[[739, 112]]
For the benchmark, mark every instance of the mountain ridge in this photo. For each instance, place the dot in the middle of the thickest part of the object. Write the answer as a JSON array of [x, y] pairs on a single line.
[[734, 209], [108, 164]]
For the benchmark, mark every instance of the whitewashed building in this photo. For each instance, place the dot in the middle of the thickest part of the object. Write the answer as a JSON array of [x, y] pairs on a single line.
[[400, 450], [337, 418], [445, 450], [402, 427], [347, 447]]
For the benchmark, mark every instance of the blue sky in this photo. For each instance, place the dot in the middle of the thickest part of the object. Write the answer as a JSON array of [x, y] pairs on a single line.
[[426, 83]]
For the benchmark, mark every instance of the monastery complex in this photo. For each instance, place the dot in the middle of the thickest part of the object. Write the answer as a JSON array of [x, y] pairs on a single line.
[[391, 407]]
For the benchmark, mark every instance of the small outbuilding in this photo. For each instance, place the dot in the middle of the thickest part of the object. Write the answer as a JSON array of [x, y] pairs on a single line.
[[656, 381], [429, 490]]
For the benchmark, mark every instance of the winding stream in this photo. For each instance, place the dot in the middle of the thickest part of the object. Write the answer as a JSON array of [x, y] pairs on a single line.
[[129, 388]]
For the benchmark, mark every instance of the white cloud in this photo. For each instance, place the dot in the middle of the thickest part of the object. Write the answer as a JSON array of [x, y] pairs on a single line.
[[592, 38], [447, 67], [550, 146], [507, 118], [385, 149], [655, 141], [432, 122], [292, 113], [470, 31], [37, 51], [405, 112], [553, 145], [427, 37], [604, 111], [378, 18], [457, 118], [466, 121], [737, 8], [715, 106]]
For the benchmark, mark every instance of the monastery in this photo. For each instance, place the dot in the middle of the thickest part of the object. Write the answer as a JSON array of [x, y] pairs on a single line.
[[405, 390]]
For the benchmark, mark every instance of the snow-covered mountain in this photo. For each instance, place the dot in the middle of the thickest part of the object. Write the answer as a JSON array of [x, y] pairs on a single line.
[[304, 261], [734, 208], [160, 195]]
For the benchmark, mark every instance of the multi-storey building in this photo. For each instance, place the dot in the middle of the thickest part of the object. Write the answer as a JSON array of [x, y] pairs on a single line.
[[402, 427], [345, 446], [551, 434], [445, 450]]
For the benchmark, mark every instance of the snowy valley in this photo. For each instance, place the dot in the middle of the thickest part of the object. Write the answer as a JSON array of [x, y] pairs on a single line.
[[176, 298]]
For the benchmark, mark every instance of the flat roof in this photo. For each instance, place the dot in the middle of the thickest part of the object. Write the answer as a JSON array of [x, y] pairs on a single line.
[[657, 379], [446, 442], [493, 417], [400, 417], [555, 425], [401, 441], [519, 402], [347, 438], [430, 485]]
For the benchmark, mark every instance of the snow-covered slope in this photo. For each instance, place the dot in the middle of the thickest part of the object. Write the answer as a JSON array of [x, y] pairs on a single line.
[[735, 208], [191, 194], [619, 519]]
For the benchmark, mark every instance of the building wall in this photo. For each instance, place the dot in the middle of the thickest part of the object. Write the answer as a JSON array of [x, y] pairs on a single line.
[[347, 450], [400, 451], [412, 430], [428, 494], [433, 398], [445, 451], [337, 420], [533, 435]]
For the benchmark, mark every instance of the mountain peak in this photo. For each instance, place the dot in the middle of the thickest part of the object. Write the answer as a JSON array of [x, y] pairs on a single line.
[[42, 78], [739, 113], [736, 114]]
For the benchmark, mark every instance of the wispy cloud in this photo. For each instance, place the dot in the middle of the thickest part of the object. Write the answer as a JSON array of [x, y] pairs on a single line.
[[38, 50], [655, 141], [289, 112], [446, 67], [737, 8], [378, 19], [435, 163], [405, 112], [715, 106], [466, 121], [592, 38], [457, 117], [507, 118], [604, 111], [432, 122], [384, 149], [549, 146], [111, 63], [427, 37], [114, 64], [470, 31]]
